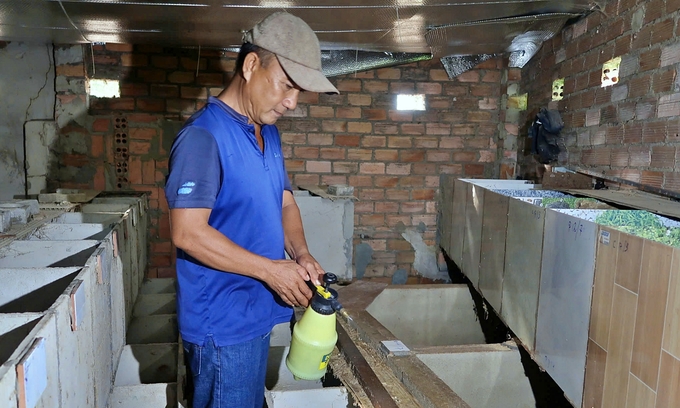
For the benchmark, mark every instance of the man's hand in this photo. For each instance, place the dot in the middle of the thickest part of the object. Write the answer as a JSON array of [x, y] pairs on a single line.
[[287, 278], [314, 271]]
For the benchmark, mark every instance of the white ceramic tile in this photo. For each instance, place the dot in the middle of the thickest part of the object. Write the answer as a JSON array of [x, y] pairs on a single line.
[[460, 189], [474, 212], [492, 257], [567, 272], [521, 281]]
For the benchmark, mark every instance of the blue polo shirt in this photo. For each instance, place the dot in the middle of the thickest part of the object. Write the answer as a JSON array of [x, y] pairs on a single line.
[[216, 163]]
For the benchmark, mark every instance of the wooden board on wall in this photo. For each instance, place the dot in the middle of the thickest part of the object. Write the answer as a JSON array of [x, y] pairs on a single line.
[[634, 199]]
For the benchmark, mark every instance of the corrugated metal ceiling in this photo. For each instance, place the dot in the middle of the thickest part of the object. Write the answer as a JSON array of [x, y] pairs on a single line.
[[440, 27]]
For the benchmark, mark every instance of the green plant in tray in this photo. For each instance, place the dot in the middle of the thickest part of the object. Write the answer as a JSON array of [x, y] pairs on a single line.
[[642, 224]]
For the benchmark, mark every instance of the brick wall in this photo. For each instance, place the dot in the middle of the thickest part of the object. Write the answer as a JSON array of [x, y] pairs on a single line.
[[392, 158], [629, 130]]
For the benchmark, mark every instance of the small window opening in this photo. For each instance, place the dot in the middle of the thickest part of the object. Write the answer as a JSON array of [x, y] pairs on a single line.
[[411, 102], [610, 72], [104, 88]]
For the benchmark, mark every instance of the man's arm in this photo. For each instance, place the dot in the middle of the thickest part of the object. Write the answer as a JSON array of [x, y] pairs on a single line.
[[192, 233], [295, 242]]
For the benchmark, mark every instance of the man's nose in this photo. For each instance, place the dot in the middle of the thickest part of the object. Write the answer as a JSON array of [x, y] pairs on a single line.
[[290, 101]]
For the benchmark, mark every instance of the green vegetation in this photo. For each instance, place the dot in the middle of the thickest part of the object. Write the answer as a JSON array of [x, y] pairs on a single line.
[[642, 224], [573, 203]]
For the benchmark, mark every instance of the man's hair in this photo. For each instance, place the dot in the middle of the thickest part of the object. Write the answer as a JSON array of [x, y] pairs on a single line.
[[264, 55]]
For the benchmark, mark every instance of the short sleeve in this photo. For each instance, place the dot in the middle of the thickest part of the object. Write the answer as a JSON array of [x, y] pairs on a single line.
[[194, 176]]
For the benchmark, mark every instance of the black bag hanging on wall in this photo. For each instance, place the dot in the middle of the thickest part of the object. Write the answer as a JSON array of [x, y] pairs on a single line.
[[545, 134]]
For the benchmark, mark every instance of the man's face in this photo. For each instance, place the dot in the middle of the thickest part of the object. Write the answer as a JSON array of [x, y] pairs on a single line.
[[271, 92]]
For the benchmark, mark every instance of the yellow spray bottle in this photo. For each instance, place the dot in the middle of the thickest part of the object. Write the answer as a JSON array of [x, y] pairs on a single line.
[[314, 336]]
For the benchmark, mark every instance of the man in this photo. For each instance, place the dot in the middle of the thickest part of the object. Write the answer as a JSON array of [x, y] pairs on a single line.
[[232, 215]]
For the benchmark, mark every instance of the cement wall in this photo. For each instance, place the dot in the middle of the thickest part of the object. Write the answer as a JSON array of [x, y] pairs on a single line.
[[27, 84], [63, 313]]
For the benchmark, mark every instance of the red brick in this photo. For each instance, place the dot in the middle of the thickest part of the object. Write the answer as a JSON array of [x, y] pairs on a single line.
[[106, 59], [119, 47], [360, 154], [308, 97], [347, 140], [305, 152], [663, 30], [205, 79], [619, 157], [632, 133], [373, 141], [652, 178], [332, 153], [426, 142], [372, 168], [164, 61], [412, 129], [164, 91], [386, 155], [320, 139], [438, 75], [389, 73], [492, 76], [189, 92], [398, 169], [74, 70], [375, 86], [143, 133], [348, 112], [321, 111], [101, 125], [412, 181], [402, 87], [139, 147], [468, 76], [190, 63], [650, 60], [359, 127], [399, 116], [181, 77], [399, 142], [372, 220], [639, 156], [97, 146], [359, 99], [334, 126], [596, 157], [150, 105], [474, 170], [313, 166], [654, 132], [349, 85], [479, 116], [306, 180], [151, 75], [438, 156], [121, 104], [374, 114], [149, 172], [429, 88], [663, 81], [663, 157], [134, 60], [464, 156]]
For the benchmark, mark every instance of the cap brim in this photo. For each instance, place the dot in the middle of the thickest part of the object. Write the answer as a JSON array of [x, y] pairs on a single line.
[[307, 78]]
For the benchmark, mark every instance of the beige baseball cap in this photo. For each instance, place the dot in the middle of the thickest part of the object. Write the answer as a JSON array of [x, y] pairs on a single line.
[[296, 48]]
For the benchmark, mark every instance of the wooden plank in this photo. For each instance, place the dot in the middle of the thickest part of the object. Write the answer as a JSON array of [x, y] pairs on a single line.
[[369, 381], [634, 199]]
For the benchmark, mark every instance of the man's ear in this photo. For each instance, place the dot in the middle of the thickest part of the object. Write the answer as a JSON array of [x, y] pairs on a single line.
[[250, 64]]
